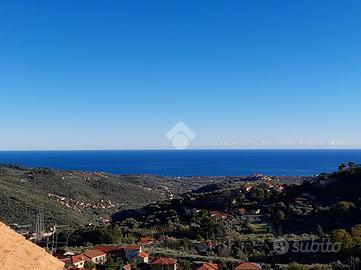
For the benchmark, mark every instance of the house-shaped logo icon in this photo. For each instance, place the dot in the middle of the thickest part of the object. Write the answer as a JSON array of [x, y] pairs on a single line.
[[180, 135]]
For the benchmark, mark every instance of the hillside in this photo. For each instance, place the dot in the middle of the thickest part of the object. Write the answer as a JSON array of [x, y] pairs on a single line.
[[73, 197], [246, 218]]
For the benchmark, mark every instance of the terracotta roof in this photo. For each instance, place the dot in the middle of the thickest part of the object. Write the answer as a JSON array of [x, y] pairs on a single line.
[[131, 247], [127, 267], [142, 254], [248, 266], [18, 253], [164, 261], [107, 249], [79, 258], [217, 214], [93, 253], [208, 266], [144, 240]]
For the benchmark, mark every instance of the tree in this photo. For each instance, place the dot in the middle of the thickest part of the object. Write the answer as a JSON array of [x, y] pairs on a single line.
[[320, 231], [117, 234], [296, 266], [279, 216], [344, 208], [223, 251], [356, 231], [342, 237], [89, 265], [342, 167], [184, 264]]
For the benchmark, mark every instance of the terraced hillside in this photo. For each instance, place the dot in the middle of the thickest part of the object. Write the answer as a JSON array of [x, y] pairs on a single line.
[[73, 197]]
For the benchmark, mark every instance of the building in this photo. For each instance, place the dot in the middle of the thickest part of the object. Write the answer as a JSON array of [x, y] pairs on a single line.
[[18, 253], [217, 215], [248, 266], [97, 256], [127, 267], [78, 261], [145, 241], [141, 257], [164, 263], [205, 266], [111, 251], [203, 247], [131, 251]]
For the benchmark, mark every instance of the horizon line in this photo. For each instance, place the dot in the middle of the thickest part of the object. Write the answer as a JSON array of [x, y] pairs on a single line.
[[170, 149]]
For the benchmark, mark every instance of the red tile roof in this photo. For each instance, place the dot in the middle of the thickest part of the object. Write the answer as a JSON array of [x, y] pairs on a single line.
[[217, 214], [132, 248], [143, 254], [79, 258], [144, 240], [93, 253], [208, 266], [107, 249], [248, 266], [127, 267], [164, 261]]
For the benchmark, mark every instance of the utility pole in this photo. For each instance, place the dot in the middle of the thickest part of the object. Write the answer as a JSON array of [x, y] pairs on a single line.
[[54, 237], [39, 230]]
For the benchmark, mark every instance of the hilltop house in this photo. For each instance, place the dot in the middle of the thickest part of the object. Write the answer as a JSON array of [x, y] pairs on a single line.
[[217, 215], [164, 263], [205, 266], [141, 257], [97, 256], [130, 251], [111, 251], [248, 266], [78, 261]]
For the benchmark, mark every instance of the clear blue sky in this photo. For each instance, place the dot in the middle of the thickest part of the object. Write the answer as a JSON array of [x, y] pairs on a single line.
[[120, 74]]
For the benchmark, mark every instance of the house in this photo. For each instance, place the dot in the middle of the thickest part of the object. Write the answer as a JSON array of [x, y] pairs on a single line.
[[248, 266], [217, 215], [141, 257], [18, 253], [256, 211], [97, 256], [145, 241], [127, 267], [163, 263], [78, 261], [205, 266], [242, 211], [111, 251], [247, 187], [279, 188], [204, 247], [131, 251]]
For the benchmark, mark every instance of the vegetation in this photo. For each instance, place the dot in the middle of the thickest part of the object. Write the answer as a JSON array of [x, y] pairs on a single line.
[[72, 197]]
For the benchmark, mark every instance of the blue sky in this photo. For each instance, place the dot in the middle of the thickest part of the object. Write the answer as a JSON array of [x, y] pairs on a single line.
[[120, 74]]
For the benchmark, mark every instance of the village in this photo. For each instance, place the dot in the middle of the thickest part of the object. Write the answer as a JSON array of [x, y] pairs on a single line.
[[134, 257]]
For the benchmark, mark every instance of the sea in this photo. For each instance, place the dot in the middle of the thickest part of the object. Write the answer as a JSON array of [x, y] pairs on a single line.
[[188, 162]]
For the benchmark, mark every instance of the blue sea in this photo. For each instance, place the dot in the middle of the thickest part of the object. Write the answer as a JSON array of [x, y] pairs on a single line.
[[188, 162]]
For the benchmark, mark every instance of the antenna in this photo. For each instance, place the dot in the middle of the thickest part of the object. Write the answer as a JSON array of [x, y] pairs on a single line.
[[54, 238], [39, 225]]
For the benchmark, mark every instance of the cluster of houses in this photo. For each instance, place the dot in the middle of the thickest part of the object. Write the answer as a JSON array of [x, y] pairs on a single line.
[[135, 256], [99, 255], [78, 205]]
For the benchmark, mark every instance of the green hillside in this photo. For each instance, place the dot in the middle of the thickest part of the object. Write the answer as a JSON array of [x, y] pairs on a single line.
[[71, 197]]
